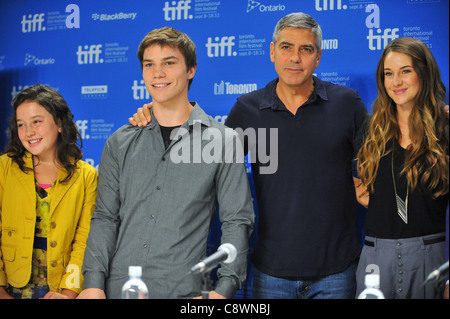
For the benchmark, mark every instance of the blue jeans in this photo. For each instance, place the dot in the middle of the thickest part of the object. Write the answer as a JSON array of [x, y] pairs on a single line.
[[337, 286]]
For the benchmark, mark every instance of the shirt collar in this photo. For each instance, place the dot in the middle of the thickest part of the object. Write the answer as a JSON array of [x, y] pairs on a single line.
[[275, 103], [197, 115]]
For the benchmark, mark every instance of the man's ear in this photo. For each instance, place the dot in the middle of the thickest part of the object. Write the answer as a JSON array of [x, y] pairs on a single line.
[[272, 51], [191, 72]]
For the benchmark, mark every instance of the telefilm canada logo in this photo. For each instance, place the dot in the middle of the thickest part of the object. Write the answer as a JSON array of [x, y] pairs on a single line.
[[94, 92]]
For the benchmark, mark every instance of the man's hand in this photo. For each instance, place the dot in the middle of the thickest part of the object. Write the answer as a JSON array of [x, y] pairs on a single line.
[[142, 117], [362, 196], [212, 295], [4, 294], [92, 293], [446, 292], [65, 294]]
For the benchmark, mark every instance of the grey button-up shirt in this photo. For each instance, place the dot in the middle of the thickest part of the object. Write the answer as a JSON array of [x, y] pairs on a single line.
[[155, 206]]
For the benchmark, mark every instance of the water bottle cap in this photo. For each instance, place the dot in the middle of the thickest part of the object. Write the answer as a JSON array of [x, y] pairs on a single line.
[[135, 271], [372, 280]]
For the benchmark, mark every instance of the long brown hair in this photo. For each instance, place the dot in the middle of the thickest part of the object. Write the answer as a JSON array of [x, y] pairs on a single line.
[[427, 161], [69, 140]]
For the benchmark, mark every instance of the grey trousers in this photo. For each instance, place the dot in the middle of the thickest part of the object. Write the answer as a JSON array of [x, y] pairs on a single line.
[[404, 265]]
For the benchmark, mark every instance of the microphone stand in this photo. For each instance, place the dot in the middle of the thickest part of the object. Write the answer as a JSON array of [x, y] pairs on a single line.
[[206, 284]]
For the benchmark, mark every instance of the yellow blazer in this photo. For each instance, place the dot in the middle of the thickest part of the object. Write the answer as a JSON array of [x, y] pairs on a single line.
[[71, 209]]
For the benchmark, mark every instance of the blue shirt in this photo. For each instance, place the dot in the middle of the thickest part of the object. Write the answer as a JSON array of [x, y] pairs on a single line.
[[307, 208]]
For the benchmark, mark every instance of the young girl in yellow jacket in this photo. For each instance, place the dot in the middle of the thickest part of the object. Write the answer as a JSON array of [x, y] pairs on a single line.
[[47, 196]]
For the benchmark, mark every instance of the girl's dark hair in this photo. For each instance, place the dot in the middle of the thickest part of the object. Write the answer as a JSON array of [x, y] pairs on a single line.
[[69, 140]]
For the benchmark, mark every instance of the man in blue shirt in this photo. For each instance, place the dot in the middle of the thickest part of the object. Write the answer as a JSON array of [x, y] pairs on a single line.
[[307, 244]]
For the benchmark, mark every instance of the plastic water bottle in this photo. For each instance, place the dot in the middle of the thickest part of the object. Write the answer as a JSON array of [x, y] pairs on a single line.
[[135, 287], [372, 291]]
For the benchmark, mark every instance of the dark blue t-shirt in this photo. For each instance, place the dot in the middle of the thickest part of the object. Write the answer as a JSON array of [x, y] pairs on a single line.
[[307, 206]]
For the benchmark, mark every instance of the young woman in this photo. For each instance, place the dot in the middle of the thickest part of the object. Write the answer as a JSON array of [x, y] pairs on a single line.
[[404, 166], [47, 196]]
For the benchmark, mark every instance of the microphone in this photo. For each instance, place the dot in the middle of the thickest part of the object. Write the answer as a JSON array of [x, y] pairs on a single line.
[[438, 273], [226, 253]]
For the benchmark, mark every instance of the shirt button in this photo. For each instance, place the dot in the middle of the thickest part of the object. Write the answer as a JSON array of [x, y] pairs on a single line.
[[52, 225], [54, 263], [163, 159], [145, 245], [158, 187], [53, 244]]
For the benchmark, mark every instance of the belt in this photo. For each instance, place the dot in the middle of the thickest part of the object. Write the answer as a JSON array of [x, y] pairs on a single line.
[[425, 241], [40, 243]]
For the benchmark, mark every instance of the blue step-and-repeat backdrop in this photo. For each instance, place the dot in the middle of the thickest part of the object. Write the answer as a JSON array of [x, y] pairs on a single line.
[[86, 49]]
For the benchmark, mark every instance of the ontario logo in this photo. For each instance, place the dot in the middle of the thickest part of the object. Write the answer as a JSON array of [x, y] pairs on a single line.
[[29, 58], [252, 5]]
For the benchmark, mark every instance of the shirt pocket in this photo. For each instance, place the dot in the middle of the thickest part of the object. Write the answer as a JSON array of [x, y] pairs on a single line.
[[9, 235], [8, 253]]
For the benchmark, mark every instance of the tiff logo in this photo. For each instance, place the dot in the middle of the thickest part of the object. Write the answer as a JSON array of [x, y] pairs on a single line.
[[177, 9], [17, 90], [82, 128], [329, 5], [33, 23], [373, 22], [139, 91], [217, 48], [89, 54]]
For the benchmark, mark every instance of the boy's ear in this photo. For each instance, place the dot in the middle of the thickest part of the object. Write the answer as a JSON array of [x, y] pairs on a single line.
[[191, 72]]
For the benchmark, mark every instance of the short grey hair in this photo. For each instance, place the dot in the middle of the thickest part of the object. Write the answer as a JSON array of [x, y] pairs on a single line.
[[299, 20]]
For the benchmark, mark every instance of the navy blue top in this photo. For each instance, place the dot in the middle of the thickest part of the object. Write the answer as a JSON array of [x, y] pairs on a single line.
[[307, 207]]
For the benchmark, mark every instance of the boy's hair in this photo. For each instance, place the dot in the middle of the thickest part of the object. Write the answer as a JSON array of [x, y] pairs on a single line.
[[168, 36]]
